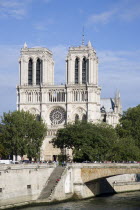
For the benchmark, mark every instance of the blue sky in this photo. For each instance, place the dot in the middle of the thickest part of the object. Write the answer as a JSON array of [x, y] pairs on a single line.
[[112, 26]]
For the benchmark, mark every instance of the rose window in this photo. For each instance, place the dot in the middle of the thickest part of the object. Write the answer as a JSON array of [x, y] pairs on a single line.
[[57, 116]]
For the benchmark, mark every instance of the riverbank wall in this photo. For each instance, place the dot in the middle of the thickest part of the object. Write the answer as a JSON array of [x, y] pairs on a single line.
[[21, 184], [24, 184]]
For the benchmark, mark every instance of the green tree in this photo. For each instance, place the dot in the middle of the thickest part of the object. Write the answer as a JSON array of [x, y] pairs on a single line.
[[126, 150], [3, 152], [130, 125], [88, 141], [22, 134]]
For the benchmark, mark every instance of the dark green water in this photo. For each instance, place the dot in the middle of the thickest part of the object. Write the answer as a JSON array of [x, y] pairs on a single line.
[[122, 201]]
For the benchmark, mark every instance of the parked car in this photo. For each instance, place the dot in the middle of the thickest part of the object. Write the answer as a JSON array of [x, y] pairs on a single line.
[[5, 161]]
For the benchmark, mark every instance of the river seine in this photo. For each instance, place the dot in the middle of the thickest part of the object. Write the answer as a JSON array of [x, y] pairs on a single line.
[[122, 201]]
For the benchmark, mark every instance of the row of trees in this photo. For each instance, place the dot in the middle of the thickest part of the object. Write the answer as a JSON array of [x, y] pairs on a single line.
[[100, 142], [21, 133]]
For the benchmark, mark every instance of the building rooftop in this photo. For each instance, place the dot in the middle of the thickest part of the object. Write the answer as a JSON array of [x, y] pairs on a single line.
[[107, 104]]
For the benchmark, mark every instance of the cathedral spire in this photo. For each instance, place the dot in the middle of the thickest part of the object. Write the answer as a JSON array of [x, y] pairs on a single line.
[[117, 94], [117, 101], [89, 44], [83, 37], [25, 45]]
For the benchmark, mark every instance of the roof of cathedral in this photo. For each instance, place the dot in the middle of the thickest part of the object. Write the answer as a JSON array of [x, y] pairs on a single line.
[[107, 104], [82, 48], [35, 49]]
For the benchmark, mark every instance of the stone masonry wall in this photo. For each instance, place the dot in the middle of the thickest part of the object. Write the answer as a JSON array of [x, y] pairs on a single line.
[[22, 183]]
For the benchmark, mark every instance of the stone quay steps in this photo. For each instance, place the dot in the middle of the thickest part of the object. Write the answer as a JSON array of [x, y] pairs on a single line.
[[51, 184]]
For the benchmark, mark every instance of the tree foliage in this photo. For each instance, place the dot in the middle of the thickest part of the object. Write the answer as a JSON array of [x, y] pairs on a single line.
[[130, 125], [88, 141], [95, 142], [3, 151], [125, 149], [22, 134]]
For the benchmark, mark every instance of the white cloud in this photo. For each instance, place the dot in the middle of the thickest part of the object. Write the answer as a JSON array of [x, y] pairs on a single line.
[[43, 25], [9, 76], [125, 10], [131, 13], [102, 18], [125, 60], [120, 70], [14, 8], [9, 65], [40, 26]]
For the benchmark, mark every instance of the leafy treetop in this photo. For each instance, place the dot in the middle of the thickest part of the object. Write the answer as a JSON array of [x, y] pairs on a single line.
[[22, 134]]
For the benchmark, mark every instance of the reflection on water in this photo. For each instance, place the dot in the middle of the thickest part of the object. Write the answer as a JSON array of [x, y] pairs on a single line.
[[122, 201]]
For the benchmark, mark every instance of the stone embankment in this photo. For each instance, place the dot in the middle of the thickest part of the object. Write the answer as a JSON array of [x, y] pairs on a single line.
[[46, 194], [37, 183]]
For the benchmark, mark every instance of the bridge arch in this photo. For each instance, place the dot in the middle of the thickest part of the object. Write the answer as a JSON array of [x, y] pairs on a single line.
[[95, 179], [89, 174]]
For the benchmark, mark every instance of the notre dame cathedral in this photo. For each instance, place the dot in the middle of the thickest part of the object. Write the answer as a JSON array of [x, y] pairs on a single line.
[[58, 105]]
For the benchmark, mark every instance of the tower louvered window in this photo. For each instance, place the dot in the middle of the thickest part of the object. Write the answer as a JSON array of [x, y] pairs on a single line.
[[84, 71], [38, 72], [76, 70], [30, 72]]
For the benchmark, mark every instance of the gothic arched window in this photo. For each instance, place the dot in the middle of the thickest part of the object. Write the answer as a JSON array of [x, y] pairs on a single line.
[[76, 117], [76, 70], [30, 72], [84, 117], [104, 119], [84, 71], [38, 71]]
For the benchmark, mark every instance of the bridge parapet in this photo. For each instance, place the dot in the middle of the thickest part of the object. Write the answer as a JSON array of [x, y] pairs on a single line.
[[104, 165], [4, 167], [86, 172]]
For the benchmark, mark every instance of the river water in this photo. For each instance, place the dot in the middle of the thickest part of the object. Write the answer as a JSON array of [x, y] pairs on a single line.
[[122, 201]]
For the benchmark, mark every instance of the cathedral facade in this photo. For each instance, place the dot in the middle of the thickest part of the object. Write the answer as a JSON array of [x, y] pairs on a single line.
[[57, 105]]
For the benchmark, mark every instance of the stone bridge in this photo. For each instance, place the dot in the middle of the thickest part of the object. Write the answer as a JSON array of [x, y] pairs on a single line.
[[92, 171], [94, 179]]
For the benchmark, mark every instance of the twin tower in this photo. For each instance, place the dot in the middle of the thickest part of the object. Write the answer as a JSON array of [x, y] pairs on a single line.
[[78, 99]]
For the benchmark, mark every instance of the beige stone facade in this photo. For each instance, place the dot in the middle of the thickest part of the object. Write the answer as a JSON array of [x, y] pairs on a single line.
[[58, 105]]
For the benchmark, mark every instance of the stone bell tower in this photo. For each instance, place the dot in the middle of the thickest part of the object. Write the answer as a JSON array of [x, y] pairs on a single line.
[[36, 66], [82, 81], [36, 71], [82, 65]]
